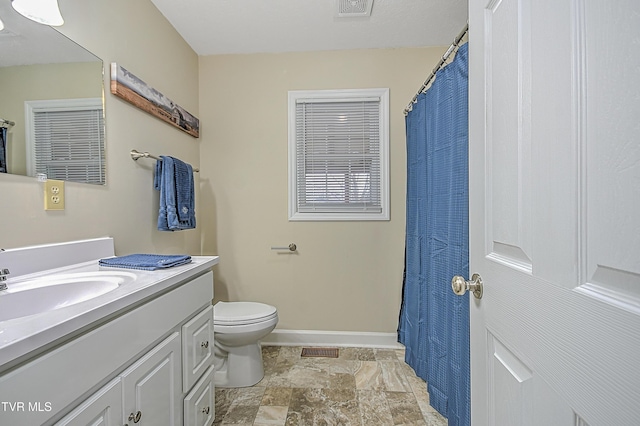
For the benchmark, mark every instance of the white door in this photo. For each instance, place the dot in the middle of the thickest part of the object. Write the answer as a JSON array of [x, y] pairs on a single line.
[[554, 98]]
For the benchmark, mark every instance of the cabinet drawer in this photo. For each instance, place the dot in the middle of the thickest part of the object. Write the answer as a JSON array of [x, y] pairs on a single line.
[[199, 405], [197, 347]]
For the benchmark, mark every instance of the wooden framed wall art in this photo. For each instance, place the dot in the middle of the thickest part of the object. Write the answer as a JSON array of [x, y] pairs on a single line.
[[127, 86]]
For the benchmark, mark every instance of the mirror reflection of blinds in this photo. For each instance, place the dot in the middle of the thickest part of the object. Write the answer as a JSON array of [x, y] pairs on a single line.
[[69, 145], [338, 155]]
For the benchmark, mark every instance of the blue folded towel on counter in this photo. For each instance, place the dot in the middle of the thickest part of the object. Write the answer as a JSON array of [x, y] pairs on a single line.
[[174, 179], [147, 262]]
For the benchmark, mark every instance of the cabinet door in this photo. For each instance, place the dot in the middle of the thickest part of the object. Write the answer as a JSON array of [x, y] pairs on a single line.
[[103, 408], [199, 405], [197, 347], [151, 386]]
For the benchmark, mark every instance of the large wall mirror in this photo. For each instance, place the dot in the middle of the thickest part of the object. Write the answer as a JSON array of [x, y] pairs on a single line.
[[51, 105]]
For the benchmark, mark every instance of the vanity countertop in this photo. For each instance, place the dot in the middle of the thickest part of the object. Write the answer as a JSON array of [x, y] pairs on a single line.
[[22, 337]]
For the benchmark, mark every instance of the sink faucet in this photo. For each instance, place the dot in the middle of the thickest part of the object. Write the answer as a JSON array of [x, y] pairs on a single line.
[[3, 278]]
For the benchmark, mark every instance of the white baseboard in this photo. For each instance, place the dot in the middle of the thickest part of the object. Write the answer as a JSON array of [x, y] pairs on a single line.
[[358, 339]]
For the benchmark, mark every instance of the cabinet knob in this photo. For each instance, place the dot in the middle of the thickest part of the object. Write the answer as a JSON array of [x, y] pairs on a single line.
[[205, 344], [206, 410], [135, 417]]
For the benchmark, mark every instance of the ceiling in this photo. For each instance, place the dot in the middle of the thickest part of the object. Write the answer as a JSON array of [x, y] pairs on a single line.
[[213, 27]]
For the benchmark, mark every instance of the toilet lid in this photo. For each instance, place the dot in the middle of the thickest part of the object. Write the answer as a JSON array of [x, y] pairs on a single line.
[[237, 313]]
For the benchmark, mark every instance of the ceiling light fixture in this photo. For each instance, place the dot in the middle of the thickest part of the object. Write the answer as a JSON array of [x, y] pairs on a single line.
[[42, 11]]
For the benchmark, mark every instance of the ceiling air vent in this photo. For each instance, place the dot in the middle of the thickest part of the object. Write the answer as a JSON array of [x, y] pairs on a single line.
[[354, 8]]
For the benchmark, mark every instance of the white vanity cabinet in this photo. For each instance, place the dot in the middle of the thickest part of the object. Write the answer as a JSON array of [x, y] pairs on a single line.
[[199, 408], [104, 408], [197, 347], [197, 373], [147, 389], [151, 396], [149, 365]]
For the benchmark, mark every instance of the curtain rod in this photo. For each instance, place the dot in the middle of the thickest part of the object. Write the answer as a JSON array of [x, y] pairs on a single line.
[[9, 122], [137, 154], [444, 58]]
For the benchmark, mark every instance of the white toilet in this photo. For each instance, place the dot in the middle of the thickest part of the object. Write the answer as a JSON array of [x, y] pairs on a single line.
[[238, 328]]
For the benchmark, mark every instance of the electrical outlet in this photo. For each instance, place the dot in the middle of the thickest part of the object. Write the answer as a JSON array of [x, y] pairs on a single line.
[[54, 195]]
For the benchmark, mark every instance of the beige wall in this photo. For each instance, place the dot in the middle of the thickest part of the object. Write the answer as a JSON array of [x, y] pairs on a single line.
[[346, 276], [136, 35]]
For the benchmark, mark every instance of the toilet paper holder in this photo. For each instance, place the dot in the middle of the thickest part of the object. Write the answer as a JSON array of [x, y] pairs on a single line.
[[290, 247]]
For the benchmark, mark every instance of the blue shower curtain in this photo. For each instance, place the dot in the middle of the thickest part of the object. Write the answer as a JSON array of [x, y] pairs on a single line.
[[434, 323]]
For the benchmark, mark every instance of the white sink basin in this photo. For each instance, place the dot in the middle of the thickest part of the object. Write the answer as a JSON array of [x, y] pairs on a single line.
[[30, 297]]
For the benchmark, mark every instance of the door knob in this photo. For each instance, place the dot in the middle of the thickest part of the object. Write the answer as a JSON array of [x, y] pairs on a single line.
[[460, 286]]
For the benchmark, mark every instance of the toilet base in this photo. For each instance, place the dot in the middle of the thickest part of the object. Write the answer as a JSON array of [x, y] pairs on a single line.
[[239, 366]]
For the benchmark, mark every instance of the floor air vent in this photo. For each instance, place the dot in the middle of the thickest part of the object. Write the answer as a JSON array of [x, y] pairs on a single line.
[[320, 352], [354, 8]]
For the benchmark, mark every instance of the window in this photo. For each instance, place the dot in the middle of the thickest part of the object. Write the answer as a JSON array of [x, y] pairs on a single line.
[[65, 139], [338, 155]]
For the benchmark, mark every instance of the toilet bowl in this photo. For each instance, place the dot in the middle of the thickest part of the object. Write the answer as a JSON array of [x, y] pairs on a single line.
[[238, 328]]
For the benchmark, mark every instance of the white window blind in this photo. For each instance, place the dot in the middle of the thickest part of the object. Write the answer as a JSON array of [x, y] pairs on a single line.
[[67, 141], [340, 164]]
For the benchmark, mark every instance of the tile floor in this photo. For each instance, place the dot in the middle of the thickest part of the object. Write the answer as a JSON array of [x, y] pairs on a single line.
[[361, 387]]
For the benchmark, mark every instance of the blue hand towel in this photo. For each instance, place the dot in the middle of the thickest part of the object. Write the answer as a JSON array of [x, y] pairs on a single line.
[[160, 184], [183, 173], [157, 176], [147, 262], [3, 150], [174, 180]]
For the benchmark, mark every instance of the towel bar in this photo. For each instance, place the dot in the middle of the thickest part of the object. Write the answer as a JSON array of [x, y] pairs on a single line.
[[137, 154]]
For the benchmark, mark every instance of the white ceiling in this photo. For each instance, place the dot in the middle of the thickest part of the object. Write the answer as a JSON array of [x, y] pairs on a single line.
[[250, 26]]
